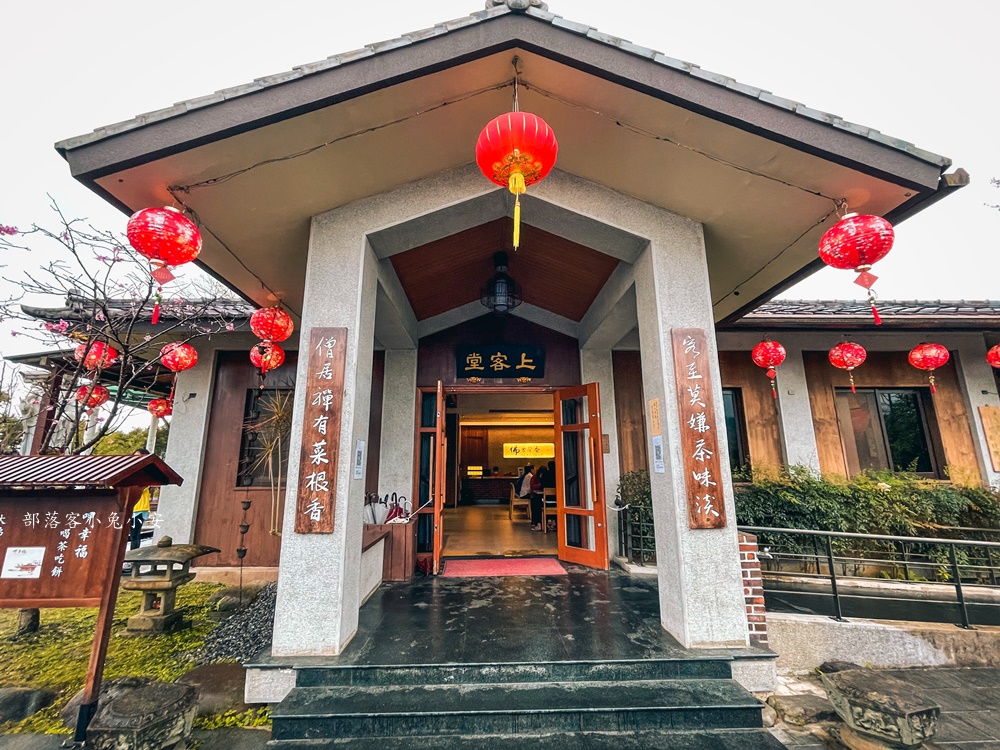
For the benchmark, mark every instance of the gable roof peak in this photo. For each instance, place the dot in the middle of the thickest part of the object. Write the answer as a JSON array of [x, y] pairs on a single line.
[[517, 6]]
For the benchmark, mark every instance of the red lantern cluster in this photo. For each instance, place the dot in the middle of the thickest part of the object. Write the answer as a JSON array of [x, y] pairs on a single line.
[[515, 150], [271, 325], [929, 357], [178, 357], [92, 396], [167, 238], [160, 407], [858, 242], [95, 355], [847, 355], [769, 355]]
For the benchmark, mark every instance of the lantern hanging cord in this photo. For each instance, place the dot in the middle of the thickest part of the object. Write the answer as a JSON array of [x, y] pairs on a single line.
[[517, 75]]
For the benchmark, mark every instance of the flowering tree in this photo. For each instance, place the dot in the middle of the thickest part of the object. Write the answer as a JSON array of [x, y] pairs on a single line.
[[104, 345]]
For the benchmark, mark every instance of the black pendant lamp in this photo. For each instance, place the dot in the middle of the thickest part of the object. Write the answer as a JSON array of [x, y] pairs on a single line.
[[501, 293]]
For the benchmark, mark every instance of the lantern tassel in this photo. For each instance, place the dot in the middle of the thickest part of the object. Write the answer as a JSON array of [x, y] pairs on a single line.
[[517, 187], [851, 376], [933, 387], [871, 301]]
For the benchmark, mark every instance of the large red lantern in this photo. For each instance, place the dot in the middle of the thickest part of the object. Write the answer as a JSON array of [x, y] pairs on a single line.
[[271, 324], [858, 242], [515, 150], [993, 356], [178, 357], [929, 357], [160, 407], [95, 355], [266, 356], [847, 355], [92, 397], [167, 238], [769, 355]]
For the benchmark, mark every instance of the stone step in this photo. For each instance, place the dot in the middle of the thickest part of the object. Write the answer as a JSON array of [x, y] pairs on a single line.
[[724, 739], [560, 671], [513, 709]]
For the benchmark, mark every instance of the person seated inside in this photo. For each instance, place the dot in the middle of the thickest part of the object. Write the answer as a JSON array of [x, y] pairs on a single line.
[[537, 483], [522, 486]]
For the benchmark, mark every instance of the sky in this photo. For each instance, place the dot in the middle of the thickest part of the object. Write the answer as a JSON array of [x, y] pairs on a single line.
[[922, 71]]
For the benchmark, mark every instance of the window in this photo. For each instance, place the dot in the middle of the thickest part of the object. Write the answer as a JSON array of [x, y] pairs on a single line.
[[739, 455], [265, 442], [886, 430]]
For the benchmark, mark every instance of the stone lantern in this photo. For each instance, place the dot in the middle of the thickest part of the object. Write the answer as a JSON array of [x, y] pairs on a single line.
[[157, 572]]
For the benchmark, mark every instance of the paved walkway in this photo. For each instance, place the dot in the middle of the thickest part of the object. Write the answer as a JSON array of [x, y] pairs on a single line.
[[220, 739]]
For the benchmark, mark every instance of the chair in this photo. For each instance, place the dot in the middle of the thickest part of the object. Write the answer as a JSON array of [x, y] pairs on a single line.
[[516, 501], [548, 507]]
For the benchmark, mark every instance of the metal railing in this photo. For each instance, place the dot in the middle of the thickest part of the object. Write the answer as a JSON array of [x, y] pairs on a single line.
[[636, 542], [944, 558]]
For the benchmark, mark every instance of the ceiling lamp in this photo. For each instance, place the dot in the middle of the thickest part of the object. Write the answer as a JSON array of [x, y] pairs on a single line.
[[847, 355], [167, 238], [929, 357], [858, 242], [501, 293], [515, 150], [769, 355]]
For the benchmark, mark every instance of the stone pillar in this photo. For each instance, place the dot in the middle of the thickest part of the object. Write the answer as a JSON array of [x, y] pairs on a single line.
[[399, 413], [700, 581], [319, 578], [975, 377], [798, 436], [596, 367]]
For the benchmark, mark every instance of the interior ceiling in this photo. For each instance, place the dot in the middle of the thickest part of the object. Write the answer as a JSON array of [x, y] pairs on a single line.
[[758, 229], [450, 272]]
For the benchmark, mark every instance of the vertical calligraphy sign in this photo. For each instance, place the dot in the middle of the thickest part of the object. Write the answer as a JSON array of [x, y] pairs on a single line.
[[317, 495], [699, 436]]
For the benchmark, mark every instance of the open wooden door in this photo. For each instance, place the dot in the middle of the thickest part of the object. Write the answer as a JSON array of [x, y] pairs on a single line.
[[582, 514], [439, 476]]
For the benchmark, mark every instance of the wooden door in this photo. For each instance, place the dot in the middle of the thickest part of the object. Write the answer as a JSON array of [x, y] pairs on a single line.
[[439, 475], [580, 502]]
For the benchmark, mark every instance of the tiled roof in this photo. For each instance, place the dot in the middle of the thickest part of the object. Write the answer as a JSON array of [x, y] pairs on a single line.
[[886, 308], [482, 16], [77, 309]]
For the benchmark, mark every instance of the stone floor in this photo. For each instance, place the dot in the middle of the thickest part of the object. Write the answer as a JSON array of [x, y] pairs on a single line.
[[488, 530], [219, 739]]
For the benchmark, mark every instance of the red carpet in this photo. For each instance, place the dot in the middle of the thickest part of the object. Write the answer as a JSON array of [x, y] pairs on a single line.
[[497, 567]]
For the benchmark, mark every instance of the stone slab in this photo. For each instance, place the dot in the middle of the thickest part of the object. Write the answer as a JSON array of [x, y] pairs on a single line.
[[800, 710], [220, 687], [18, 703]]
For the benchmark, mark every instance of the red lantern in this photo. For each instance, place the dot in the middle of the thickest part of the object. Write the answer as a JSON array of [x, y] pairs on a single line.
[[858, 242], [178, 357], [515, 150], [95, 355], [847, 355], [160, 407], [993, 356], [929, 357], [266, 356], [769, 355], [271, 324], [167, 238], [92, 397]]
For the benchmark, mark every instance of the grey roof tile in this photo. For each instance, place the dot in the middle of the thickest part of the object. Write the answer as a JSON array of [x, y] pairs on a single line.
[[275, 79], [460, 23], [639, 50], [744, 88], [779, 101], [319, 65], [354, 54], [708, 75], [819, 309], [544, 15], [673, 62], [600, 36], [388, 44], [565, 23]]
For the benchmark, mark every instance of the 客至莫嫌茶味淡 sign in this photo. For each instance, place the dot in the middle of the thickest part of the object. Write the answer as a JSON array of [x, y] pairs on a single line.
[[699, 438], [327, 356], [499, 361]]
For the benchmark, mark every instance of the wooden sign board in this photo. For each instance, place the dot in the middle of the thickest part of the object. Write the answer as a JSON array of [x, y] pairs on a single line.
[[59, 548], [699, 436], [324, 389], [990, 415]]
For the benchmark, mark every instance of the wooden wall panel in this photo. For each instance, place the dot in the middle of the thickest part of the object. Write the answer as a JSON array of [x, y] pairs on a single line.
[[375, 423], [891, 370], [219, 498], [763, 428], [436, 353], [630, 410]]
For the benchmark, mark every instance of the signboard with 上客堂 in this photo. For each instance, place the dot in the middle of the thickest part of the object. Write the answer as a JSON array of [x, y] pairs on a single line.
[[529, 450], [500, 361]]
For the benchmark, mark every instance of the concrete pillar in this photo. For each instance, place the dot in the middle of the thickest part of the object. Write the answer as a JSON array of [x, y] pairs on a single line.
[[975, 377], [399, 413], [596, 367], [154, 427], [319, 578], [700, 584], [798, 437]]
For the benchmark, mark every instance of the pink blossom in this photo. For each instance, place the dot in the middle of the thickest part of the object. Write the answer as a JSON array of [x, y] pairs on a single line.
[[14, 333], [147, 337], [61, 327], [7, 230], [230, 326]]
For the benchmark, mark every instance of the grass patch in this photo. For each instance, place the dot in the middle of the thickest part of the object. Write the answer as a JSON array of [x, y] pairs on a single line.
[[56, 657]]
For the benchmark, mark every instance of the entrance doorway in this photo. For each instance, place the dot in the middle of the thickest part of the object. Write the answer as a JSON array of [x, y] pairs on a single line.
[[474, 445]]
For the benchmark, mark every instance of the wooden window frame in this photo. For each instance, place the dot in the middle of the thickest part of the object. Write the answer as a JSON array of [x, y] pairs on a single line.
[[742, 443]]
